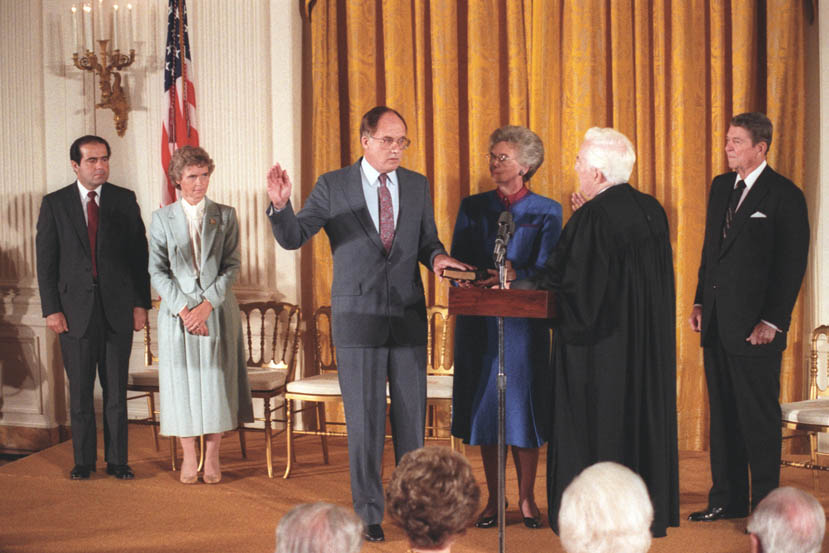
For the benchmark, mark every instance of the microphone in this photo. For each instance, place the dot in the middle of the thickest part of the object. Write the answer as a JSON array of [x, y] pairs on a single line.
[[506, 228]]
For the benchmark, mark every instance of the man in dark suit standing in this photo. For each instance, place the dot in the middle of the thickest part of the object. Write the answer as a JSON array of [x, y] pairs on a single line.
[[379, 220], [753, 260], [94, 291]]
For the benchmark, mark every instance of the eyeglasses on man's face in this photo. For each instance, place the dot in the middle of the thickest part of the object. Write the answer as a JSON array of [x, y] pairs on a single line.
[[388, 141], [500, 158]]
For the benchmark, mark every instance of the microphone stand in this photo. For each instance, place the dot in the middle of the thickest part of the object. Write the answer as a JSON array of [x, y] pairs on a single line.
[[500, 261]]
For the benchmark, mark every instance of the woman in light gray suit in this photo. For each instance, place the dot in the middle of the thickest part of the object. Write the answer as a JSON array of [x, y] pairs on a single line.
[[194, 259]]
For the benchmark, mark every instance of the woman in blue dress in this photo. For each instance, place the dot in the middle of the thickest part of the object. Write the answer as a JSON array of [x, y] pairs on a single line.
[[515, 153]]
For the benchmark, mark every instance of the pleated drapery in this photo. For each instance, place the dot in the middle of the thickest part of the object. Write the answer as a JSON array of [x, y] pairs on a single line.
[[668, 74]]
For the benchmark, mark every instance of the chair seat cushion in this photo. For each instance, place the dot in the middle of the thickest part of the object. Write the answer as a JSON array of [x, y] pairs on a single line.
[[146, 377], [263, 380], [439, 386], [810, 411], [319, 385]]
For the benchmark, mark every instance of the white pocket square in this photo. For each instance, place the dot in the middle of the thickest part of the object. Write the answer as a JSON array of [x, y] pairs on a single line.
[[758, 215]]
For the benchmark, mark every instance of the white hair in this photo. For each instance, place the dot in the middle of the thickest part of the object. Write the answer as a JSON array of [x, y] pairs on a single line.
[[610, 152], [788, 520], [319, 528], [606, 509]]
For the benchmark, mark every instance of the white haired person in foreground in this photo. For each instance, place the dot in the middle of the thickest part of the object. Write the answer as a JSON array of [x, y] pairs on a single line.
[[787, 520], [606, 509], [319, 528]]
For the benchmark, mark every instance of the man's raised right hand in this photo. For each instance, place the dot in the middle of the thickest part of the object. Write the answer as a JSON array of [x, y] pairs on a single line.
[[279, 187]]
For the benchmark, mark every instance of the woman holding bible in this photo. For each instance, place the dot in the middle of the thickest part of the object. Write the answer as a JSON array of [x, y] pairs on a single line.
[[515, 153]]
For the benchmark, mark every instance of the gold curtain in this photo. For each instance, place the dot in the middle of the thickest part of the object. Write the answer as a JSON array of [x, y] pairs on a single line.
[[668, 74]]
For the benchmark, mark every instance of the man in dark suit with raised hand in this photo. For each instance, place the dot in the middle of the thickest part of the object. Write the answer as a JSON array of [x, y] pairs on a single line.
[[753, 260], [94, 291], [379, 220]]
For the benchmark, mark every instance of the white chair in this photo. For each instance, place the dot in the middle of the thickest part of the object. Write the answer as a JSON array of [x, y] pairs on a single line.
[[314, 390], [440, 376], [812, 415], [276, 328]]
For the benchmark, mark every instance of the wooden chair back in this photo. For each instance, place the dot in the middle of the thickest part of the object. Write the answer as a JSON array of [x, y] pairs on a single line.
[[272, 332], [440, 341], [325, 354], [819, 363]]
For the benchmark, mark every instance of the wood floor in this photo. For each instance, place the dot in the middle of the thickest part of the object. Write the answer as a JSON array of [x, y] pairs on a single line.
[[42, 511]]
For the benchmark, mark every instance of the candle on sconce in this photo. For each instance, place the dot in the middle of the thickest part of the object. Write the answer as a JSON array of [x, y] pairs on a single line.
[[130, 27], [74, 28], [115, 27], [87, 26], [99, 20]]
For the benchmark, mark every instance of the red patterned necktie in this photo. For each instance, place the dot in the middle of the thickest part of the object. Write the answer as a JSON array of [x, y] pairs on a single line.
[[92, 229], [386, 213]]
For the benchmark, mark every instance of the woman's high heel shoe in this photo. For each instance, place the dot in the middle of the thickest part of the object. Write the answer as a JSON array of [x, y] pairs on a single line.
[[212, 478], [486, 522], [532, 522]]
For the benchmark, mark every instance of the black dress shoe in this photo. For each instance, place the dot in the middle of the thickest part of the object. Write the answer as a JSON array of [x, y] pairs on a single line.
[[532, 522], [81, 472], [121, 472], [486, 522], [715, 513], [374, 532]]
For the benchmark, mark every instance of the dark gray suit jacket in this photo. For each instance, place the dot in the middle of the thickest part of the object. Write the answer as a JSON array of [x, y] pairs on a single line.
[[64, 262], [756, 272], [373, 294]]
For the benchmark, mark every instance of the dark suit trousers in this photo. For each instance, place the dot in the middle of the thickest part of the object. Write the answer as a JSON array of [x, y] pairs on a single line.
[[102, 348], [745, 426], [362, 375]]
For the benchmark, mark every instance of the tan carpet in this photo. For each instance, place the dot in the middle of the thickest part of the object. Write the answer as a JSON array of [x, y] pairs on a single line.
[[42, 511]]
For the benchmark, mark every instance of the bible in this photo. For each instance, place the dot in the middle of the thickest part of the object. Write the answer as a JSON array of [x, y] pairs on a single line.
[[458, 274]]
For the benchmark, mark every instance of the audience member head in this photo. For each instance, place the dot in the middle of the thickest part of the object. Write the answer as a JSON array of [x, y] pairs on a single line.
[[529, 150], [433, 497], [606, 509], [606, 158], [319, 528], [787, 520]]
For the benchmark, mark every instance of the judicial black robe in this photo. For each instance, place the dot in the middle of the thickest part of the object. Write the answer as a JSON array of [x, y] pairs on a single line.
[[614, 357]]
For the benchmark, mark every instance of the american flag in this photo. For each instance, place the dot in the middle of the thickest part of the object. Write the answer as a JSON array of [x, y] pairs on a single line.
[[178, 125]]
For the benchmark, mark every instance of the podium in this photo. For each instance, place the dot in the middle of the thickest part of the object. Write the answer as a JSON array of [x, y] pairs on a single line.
[[488, 302]]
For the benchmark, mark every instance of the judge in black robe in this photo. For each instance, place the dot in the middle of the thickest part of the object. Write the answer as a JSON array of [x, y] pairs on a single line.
[[614, 358]]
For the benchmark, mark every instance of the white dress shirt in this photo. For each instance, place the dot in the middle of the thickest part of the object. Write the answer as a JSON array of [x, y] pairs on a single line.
[[750, 179], [195, 216], [371, 185], [84, 192]]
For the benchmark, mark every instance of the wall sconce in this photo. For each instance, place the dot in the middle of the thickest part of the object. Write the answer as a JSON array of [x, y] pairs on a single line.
[[107, 64]]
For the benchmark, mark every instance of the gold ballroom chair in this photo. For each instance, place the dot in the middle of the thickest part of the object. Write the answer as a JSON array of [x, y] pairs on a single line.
[[272, 332], [324, 387], [812, 415], [315, 391], [440, 376], [144, 383]]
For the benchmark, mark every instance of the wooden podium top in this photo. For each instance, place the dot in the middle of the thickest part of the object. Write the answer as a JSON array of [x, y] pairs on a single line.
[[488, 302]]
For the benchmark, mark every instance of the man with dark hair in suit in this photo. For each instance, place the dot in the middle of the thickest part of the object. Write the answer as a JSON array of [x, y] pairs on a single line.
[[94, 291], [753, 260], [379, 220]]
